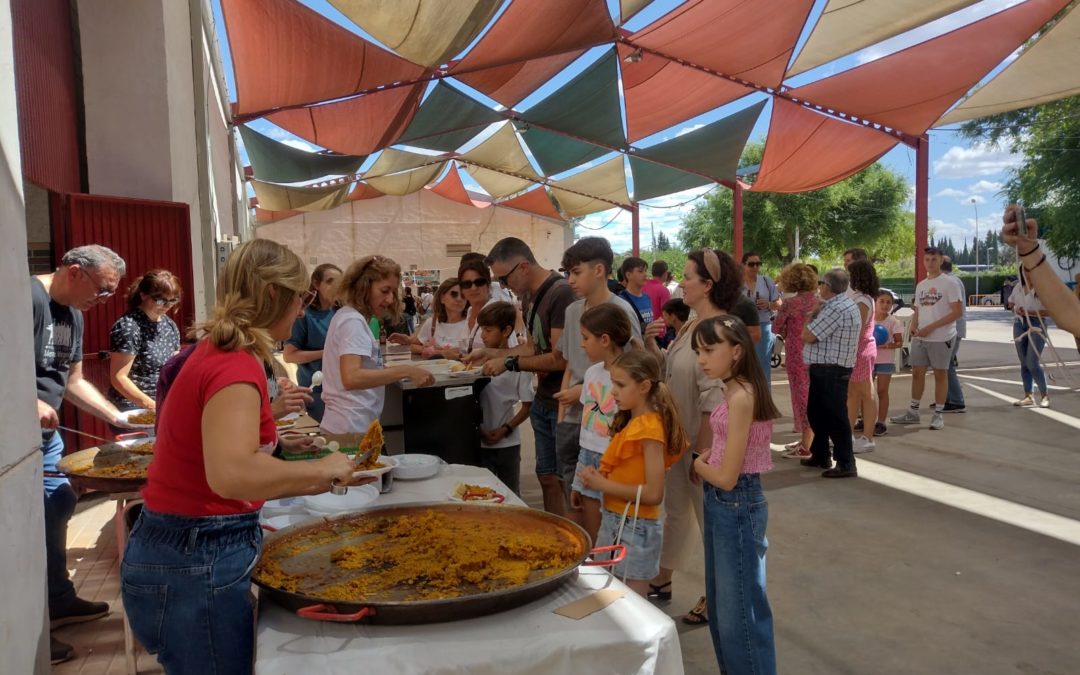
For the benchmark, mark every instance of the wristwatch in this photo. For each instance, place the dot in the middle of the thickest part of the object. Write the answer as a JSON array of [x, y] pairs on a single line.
[[511, 363]]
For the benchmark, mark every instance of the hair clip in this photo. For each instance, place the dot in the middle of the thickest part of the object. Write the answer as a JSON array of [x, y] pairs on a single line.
[[730, 323]]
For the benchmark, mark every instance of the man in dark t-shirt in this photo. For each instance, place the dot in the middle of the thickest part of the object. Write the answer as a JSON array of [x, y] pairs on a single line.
[[546, 295], [87, 276]]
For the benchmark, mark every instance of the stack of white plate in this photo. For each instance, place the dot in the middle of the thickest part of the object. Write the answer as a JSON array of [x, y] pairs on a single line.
[[328, 504], [416, 466]]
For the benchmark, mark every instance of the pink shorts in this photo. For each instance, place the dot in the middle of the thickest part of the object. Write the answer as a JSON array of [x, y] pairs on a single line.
[[864, 363]]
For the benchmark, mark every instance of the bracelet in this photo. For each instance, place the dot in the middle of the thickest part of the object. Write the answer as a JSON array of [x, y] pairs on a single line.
[[1035, 248], [1031, 269]]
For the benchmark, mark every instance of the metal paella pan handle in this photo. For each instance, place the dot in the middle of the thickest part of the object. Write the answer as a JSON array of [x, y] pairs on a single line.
[[323, 612], [618, 558]]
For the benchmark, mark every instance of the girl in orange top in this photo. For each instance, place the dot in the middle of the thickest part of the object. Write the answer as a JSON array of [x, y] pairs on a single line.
[[648, 439]]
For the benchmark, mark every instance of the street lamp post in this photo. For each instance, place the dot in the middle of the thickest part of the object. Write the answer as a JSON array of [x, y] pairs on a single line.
[[976, 207]]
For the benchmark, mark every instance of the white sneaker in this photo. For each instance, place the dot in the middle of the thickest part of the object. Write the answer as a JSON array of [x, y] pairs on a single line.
[[1044, 402], [1026, 402], [864, 444], [937, 422], [909, 417]]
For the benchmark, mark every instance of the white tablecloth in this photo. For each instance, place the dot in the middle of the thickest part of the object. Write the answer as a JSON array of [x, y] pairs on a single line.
[[629, 636]]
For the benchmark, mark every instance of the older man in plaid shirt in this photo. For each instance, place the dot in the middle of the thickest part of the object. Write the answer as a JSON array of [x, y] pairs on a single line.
[[831, 338]]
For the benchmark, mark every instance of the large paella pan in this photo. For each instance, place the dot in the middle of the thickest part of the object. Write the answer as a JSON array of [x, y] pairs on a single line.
[[421, 563], [111, 467]]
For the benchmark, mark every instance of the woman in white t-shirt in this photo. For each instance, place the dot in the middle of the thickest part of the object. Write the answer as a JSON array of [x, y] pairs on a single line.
[[1030, 316], [354, 380], [445, 330]]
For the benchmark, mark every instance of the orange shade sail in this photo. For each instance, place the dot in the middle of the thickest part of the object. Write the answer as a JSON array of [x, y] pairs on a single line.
[[510, 83], [808, 151], [909, 90], [535, 201], [285, 54], [453, 189], [363, 191]]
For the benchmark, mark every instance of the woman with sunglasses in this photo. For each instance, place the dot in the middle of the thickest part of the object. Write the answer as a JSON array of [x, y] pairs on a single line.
[[475, 281], [443, 332], [305, 346], [143, 339]]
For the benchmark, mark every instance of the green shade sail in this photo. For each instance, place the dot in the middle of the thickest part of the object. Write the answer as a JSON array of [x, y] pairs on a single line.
[[555, 153], [447, 120], [280, 163], [652, 180]]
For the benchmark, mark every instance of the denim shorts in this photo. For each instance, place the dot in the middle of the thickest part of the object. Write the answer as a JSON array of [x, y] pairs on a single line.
[[544, 420], [642, 544], [884, 368], [186, 584], [587, 458]]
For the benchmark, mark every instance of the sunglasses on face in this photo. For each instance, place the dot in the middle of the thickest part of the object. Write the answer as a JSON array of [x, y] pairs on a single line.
[[103, 291], [166, 302], [479, 283], [504, 278], [754, 264]]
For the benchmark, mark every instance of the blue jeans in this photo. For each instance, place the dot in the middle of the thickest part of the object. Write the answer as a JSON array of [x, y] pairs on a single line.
[[544, 421], [186, 589], [763, 348], [740, 619], [59, 507], [956, 393], [1029, 350]]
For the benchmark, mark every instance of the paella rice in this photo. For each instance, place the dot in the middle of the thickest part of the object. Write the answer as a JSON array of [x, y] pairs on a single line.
[[133, 469], [144, 417]]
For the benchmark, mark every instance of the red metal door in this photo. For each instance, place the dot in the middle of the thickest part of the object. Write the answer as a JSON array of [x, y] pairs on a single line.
[[147, 235]]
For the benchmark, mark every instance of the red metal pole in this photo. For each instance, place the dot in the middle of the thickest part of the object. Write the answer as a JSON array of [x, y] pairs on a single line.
[[736, 215], [922, 201], [635, 228]]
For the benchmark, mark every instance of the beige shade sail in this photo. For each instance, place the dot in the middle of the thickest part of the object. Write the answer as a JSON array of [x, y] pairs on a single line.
[[1047, 71], [406, 182], [497, 184], [502, 151], [274, 197], [427, 32], [606, 181], [392, 161], [628, 8], [847, 26]]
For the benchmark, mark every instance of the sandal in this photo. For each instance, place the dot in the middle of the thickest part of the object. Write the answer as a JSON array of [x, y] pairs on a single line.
[[798, 452], [658, 592], [699, 615]]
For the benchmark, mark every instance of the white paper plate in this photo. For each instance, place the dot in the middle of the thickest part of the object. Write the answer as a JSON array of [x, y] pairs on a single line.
[[499, 498], [388, 464], [285, 520], [290, 418], [416, 466], [129, 413], [330, 504]]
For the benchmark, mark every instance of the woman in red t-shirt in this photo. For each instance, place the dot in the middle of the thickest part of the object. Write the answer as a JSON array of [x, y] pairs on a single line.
[[187, 567]]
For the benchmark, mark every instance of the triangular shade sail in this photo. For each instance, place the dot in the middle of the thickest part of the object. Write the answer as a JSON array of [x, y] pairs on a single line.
[[267, 216], [652, 180], [284, 198], [846, 26], [628, 8], [748, 39], [607, 182], [556, 153], [428, 32], [357, 126], [498, 184], [447, 120], [712, 150], [660, 93], [808, 151], [910, 89], [281, 163], [535, 201], [286, 54], [512, 82], [392, 161], [528, 30], [502, 151], [363, 191], [407, 182], [1049, 70], [586, 106], [451, 187]]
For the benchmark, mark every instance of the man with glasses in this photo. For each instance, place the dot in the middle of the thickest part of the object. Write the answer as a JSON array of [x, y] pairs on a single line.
[[87, 277], [546, 295], [761, 290]]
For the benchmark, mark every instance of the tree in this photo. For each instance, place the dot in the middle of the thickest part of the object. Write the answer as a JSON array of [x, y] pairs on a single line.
[[1048, 179], [662, 242], [864, 210]]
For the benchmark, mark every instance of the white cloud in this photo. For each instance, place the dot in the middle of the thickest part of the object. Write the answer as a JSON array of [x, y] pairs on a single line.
[[981, 159], [951, 192], [686, 130], [298, 144], [985, 186]]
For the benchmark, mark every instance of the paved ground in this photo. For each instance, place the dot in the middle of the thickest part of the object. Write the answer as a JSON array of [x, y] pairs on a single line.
[[955, 551]]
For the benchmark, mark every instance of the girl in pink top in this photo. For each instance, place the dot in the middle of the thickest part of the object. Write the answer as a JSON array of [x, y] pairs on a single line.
[[736, 513]]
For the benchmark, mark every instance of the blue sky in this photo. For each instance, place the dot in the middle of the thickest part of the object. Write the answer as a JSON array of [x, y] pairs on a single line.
[[960, 172]]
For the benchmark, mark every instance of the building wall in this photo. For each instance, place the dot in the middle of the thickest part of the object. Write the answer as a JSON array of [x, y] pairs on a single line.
[[24, 637], [413, 230]]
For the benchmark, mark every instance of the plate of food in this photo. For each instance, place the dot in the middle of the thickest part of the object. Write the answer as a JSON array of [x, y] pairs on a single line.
[[416, 466], [287, 422], [139, 418], [471, 492]]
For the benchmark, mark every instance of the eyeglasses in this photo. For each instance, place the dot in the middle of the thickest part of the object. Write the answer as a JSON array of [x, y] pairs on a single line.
[[166, 302], [455, 294], [103, 291], [307, 298], [479, 283], [754, 264], [504, 279]]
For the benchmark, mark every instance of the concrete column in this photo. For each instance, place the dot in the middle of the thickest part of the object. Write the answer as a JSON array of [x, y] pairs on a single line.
[[24, 638]]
